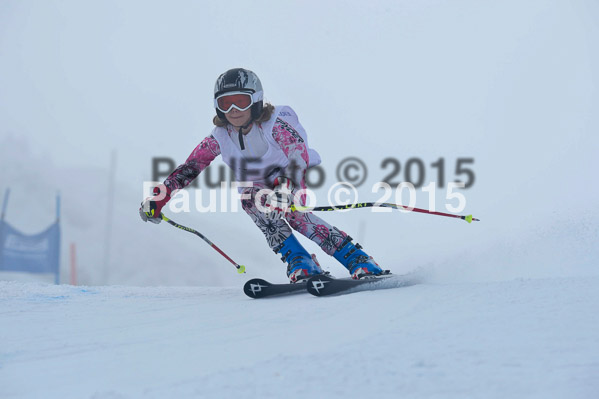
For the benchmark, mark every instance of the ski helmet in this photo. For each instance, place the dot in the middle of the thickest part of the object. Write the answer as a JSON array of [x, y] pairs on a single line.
[[243, 80]]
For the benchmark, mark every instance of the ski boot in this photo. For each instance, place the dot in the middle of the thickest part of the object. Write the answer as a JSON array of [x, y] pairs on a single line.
[[356, 261], [300, 265]]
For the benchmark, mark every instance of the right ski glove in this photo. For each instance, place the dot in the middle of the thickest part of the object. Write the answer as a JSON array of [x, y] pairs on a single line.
[[281, 198], [151, 207]]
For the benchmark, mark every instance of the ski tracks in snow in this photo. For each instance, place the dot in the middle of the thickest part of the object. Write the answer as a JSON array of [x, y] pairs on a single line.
[[519, 338]]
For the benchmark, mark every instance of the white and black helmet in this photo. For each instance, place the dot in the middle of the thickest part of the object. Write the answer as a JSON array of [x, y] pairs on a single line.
[[241, 80]]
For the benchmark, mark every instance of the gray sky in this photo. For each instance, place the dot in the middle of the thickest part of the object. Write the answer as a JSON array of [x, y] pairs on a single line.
[[512, 84]]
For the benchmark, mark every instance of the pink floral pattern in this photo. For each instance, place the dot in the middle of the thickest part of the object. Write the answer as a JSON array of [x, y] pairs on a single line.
[[198, 160], [294, 148], [328, 237]]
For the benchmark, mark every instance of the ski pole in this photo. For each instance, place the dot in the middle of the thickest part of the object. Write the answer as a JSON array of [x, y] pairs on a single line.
[[467, 218], [240, 268]]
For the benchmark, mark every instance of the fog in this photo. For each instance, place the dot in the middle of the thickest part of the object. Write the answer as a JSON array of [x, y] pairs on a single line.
[[512, 85]]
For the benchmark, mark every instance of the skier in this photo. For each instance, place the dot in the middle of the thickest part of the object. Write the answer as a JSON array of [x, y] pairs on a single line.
[[274, 144]]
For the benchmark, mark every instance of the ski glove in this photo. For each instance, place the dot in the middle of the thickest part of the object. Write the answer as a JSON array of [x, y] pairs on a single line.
[[280, 200], [151, 207]]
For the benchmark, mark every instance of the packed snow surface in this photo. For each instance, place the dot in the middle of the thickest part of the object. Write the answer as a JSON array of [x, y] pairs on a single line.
[[533, 338]]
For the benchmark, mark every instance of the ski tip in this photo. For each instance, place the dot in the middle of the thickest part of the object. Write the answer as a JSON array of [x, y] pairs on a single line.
[[316, 284], [241, 269], [254, 287]]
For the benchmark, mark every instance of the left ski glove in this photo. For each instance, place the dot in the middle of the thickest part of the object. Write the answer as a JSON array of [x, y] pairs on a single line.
[[151, 207], [281, 198]]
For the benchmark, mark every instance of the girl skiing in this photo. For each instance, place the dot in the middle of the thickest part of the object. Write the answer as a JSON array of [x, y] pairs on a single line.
[[267, 147]]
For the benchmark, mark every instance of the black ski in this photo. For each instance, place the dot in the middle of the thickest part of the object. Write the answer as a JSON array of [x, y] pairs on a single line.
[[327, 285], [259, 288]]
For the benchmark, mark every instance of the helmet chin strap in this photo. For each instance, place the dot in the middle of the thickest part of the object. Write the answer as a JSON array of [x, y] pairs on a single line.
[[241, 128]]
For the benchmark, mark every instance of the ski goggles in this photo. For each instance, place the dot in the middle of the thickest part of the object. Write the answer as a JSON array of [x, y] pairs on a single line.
[[236, 99]]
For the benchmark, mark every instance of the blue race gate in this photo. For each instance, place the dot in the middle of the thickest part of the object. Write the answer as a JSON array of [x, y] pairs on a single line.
[[36, 253]]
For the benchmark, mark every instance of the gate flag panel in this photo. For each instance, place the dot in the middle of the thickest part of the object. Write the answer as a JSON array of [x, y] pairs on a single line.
[[30, 253]]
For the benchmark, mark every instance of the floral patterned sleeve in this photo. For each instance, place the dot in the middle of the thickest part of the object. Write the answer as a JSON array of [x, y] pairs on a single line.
[[294, 147], [197, 161]]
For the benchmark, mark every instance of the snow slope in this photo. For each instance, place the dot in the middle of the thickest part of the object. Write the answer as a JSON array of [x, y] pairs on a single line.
[[507, 309], [533, 338]]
